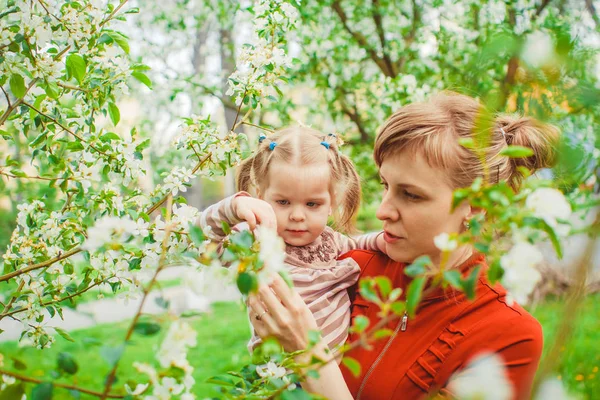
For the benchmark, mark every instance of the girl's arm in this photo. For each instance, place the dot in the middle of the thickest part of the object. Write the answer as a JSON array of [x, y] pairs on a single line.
[[370, 241], [233, 210]]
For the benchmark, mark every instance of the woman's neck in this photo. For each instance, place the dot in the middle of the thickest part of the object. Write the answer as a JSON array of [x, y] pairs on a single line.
[[454, 259]]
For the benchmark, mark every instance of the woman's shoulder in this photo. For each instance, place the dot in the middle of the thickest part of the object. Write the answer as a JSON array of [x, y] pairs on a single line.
[[368, 260]]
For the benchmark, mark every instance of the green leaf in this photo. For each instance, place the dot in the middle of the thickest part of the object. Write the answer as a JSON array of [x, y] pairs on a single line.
[[43, 391], [360, 323], [453, 278], [75, 146], [76, 66], [418, 267], [352, 365], [223, 380], [413, 295], [296, 394], [467, 143], [147, 328], [64, 334], [247, 283], [67, 363], [143, 78], [12, 392], [226, 228], [17, 86], [383, 333], [385, 285], [243, 239], [112, 354], [516, 152], [120, 40], [18, 364], [469, 283], [367, 291], [114, 113], [38, 139], [196, 234]]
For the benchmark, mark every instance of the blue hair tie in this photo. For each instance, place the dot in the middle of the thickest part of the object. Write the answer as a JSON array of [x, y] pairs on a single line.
[[262, 137], [325, 144], [272, 145]]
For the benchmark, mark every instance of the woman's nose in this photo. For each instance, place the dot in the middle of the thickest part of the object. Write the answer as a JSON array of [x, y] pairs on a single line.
[[387, 211]]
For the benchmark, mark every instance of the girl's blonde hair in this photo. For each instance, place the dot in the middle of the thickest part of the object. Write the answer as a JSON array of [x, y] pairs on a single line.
[[301, 146], [434, 127]]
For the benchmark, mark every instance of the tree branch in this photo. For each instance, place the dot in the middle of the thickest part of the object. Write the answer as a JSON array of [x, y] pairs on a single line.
[[410, 37], [361, 40], [11, 108], [112, 14], [380, 32], [61, 385], [589, 5], [34, 177]]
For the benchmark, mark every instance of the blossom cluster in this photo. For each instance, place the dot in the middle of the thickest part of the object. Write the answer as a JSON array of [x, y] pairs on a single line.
[[262, 62]]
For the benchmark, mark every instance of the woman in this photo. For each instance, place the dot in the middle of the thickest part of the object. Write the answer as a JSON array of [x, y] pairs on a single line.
[[420, 164]]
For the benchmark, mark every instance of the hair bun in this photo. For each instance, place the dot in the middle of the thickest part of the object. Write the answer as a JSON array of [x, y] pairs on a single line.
[[528, 132]]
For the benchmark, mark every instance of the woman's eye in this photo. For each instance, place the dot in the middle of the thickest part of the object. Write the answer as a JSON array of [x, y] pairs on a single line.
[[384, 184], [411, 196], [282, 202]]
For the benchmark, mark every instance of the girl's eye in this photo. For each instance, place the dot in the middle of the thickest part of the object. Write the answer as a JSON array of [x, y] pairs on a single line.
[[282, 202], [312, 204]]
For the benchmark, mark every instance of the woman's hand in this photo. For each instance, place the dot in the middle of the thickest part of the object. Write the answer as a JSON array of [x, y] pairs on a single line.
[[278, 311], [254, 212]]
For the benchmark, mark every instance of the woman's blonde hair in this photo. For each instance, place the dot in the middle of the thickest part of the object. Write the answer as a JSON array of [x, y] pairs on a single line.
[[434, 128], [301, 146]]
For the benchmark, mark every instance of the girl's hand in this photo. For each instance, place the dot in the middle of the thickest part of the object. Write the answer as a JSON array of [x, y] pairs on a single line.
[[278, 311], [254, 212]]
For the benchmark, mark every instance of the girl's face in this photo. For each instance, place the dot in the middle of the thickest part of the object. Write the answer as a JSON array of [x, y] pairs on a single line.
[[416, 207], [301, 199]]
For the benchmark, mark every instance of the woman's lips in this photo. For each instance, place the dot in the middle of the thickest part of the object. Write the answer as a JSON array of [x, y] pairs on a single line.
[[389, 238]]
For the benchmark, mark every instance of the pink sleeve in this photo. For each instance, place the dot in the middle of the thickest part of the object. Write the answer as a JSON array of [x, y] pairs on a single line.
[[363, 242], [210, 219]]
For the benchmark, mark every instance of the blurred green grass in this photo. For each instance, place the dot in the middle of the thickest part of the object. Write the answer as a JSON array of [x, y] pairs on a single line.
[[222, 337]]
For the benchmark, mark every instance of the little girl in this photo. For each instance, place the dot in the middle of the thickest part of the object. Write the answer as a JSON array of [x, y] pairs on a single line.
[[300, 179]]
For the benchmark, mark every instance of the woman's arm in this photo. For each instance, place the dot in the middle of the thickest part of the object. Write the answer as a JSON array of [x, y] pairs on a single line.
[[278, 311]]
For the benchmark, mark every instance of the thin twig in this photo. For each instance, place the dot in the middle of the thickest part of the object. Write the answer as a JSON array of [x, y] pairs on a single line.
[[61, 385], [50, 302], [11, 301], [46, 263], [57, 123], [161, 264], [34, 177], [6, 95], [258, 126], [112, 14]]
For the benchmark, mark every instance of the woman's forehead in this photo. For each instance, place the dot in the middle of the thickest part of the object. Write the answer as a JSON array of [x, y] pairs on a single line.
[[411, 168]]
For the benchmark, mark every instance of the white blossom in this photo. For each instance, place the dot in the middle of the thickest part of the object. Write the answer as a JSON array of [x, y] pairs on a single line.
[[550, 205], [271, 253], [520, 271], [445, 242], [271, 370], [109, 230], [483, 378]]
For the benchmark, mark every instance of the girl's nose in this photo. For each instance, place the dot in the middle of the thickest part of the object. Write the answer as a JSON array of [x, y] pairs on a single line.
[[297, 215]]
